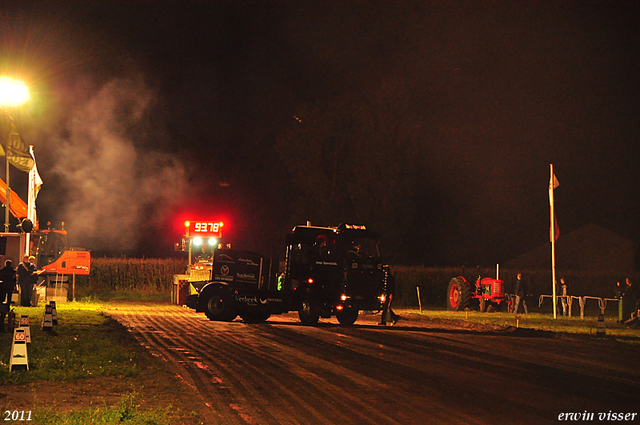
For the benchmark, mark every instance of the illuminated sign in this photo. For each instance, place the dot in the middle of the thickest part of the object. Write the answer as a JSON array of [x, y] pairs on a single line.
[[204, 229], [355, 226]]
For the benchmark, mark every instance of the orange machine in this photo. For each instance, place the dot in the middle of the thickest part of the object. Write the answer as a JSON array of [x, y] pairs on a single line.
[[50, 247], [54, 257]]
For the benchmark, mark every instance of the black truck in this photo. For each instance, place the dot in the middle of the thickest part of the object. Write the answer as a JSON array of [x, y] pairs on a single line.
[[327, 271]]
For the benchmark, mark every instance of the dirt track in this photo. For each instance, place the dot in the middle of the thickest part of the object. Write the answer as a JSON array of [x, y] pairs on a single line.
[[418, 372]]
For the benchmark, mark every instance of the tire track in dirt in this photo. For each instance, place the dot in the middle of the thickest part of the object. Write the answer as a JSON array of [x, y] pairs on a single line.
[[156, 337], [281, 372], [262, 374], [234, 362], [296, 381]]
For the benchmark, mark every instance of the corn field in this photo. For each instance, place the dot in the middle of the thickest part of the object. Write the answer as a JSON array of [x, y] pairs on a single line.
[[145, 274], [156, 275]]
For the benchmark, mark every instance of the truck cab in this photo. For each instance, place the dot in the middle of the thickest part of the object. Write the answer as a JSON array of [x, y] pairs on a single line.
[[334, 270], [327, 271]]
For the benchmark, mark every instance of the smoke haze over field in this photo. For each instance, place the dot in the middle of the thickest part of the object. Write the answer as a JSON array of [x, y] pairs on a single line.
[[432, 122], [113, 186]]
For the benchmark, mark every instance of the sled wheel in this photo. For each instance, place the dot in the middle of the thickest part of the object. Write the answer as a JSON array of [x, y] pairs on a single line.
[[220, 307], [347, 317]]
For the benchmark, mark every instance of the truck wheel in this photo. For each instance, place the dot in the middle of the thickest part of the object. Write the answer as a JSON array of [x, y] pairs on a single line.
[[458, 294], [220, 307], [309, 312], [255, 317], [347, 317]]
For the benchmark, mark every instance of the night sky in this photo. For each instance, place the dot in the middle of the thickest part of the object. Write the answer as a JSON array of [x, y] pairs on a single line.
[[433, 122]]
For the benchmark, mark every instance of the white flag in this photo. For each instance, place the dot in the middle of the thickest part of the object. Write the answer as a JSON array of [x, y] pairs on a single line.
[[35, 182]]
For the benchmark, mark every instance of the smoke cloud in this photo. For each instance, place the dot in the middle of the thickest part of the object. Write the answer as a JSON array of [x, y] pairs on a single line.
[[116, 183]]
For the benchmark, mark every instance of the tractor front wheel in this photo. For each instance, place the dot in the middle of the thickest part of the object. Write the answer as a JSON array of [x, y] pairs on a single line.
[[483, 304]]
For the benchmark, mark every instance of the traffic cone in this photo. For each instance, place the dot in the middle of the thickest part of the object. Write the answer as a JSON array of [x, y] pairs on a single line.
[[54, 312], [47, 319], [24, 324], [19, 350], [601, 330]]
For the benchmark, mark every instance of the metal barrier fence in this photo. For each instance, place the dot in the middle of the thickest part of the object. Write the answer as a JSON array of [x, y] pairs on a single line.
[[582, 301]]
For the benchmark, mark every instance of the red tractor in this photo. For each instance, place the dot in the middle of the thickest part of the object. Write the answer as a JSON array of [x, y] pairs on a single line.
[[487, 293]]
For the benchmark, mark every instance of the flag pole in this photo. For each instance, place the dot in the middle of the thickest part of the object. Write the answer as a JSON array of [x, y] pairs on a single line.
[[553, 245], [7, 190]]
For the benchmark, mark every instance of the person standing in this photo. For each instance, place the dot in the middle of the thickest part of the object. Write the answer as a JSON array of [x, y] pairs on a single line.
[[629, 298], [4, 307], [634, 320], [280, 282], [519, 292], [388, 314], [7, 284], [563, 296], [26, 275]]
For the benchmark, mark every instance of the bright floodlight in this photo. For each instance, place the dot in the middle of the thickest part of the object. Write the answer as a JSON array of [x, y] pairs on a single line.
[[12, 92]]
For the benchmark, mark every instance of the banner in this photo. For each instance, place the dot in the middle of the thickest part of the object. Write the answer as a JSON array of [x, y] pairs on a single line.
[[12, 146]]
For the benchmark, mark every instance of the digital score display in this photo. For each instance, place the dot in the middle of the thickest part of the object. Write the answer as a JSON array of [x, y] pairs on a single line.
[[204, 229]]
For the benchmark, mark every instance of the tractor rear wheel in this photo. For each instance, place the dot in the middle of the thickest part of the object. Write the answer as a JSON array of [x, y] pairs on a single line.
[[458, 294], [220, 307]]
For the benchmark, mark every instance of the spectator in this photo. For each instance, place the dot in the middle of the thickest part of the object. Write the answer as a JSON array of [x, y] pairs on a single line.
[[7, 283], [630, 298], [519, 291], [564, 296], [630, 290], [26, 278], [634, 321], [388, 314]]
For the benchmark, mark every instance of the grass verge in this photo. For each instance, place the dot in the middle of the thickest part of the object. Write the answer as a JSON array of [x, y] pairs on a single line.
[[85, 343], [126, 411], [537, 321], [96, 371]]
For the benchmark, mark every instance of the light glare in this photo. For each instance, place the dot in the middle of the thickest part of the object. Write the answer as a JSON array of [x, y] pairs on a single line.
[[13, 92]]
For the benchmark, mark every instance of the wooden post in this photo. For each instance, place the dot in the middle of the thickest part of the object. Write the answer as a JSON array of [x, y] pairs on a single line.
[[419, 301], [74, 288]]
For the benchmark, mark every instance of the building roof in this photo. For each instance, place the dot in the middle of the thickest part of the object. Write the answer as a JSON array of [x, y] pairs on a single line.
[[589, 248]]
